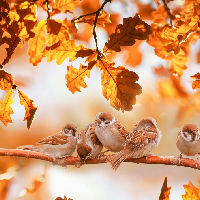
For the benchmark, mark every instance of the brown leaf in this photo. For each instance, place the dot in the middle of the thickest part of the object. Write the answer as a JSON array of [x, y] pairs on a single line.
[[75, 78], [5, 108], [65, 198], [6, 80], [119, 86], [126, 33], [37, 44], [191, 192], [29, 107], [84, 53], [165, 191], [53, 27]]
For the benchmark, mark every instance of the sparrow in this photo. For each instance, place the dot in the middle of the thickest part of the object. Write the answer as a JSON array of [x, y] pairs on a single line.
[[139, 142], [110, 132], [88, 145], [56, 146], [188, 141]]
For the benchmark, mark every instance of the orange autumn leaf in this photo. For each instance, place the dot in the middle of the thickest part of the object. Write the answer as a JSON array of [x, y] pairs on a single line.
[[75, 78], [63, 5], [5, 108], [125, 34], [65, 49], [119, 86], [6, 80], [65, 198], [37, 43], [103, 19], [29, 107], [196, 82], [191, 192], [165, 191]]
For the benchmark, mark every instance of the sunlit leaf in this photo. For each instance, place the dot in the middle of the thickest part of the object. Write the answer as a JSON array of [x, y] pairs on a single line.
[[29, 107], [6, 80], [191, 192], [196, 82], [75, 77], [37, 44], [5, 108], [119, 86]]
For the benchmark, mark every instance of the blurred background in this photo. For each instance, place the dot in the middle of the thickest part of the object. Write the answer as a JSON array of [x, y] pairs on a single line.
[[172, 103]]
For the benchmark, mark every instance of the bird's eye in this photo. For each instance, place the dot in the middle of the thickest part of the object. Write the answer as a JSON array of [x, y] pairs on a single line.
[[106, 122], [73, 133]]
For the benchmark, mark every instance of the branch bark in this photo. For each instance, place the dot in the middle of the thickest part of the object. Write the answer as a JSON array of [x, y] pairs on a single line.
[[165, 160]]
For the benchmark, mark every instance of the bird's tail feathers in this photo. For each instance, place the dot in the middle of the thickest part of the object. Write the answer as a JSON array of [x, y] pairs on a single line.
[[118, 158]]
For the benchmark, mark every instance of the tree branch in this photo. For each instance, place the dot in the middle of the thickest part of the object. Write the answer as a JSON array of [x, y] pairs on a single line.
[[171, 17], [165, 160]]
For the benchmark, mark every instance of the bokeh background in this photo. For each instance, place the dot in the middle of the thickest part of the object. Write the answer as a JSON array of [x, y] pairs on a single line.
[[162, 98]]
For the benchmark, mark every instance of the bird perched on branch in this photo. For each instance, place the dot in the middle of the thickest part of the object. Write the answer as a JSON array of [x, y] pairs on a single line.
[[59, 145], [110, 132], [88, 145], [188, 141], [140, 142]]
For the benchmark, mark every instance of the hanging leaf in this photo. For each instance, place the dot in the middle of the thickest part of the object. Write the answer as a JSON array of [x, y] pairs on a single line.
[[5, 108], [6, 80], [119, 86], [165, 191], [29, 107], [191, 192]]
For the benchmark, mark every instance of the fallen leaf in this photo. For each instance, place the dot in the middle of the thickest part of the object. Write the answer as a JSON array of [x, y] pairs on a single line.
[[191, 192], [165, 191], [5, 108], [119, 86], [29, 107]]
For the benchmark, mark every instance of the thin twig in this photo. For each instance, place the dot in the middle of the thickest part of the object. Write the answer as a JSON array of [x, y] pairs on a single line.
[[97, 13], [171, 17], [165, 160]]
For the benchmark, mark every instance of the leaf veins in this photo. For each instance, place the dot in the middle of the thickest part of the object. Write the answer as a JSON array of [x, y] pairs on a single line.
[[29, 107], [119, 86], [126, 33], [5, 108]]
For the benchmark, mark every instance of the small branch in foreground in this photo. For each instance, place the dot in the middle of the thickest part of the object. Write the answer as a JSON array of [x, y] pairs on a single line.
[[171, 17], [97, 13], [165, 160]]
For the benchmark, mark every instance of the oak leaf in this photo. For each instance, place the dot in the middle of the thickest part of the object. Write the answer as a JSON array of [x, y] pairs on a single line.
[[37, 44], [29, 107], [103, 18], [66, 49], [5, 108], [63, 5], [191, 192], [196, 82], [119, 86], [125, 34], [165, 191], [75, 77], [6, 80]]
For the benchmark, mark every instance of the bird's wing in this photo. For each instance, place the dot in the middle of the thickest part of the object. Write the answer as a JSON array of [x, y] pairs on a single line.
[[122, 130], [140, 138], [59, 138]]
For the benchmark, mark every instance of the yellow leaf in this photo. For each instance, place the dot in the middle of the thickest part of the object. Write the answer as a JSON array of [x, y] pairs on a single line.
[[103, 19], [119, 85], [75, 77], [37, 44], [66, 49], [191, 192], [165, 191], [6, 80], [5, 108], [29, 107]]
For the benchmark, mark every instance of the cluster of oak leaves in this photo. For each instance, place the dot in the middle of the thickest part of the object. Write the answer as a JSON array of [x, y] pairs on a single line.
[[55, 39]]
